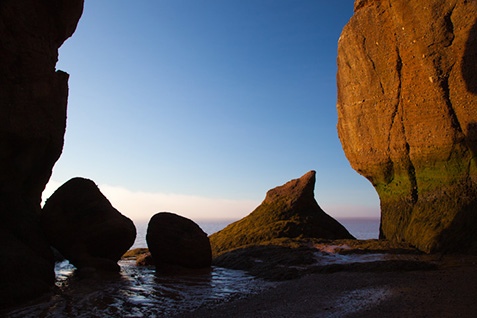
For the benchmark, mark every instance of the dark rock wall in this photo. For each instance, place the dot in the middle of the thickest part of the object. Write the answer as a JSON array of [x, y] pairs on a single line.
[[33, 98], [407, 114]]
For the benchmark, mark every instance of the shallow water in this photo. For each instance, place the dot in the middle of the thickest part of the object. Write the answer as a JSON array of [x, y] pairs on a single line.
[[139, 292], [326, 255], [362, 228]]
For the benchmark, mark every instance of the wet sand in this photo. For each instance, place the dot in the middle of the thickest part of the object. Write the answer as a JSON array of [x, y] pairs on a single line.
[[450, 291]]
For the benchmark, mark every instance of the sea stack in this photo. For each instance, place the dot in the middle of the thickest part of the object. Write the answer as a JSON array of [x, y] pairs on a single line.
[[33, 98], [80, 222], [288, 211], [407, 116], [177, 243]]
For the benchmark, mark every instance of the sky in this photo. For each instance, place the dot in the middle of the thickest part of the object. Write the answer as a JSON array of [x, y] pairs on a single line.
[[201, 107]]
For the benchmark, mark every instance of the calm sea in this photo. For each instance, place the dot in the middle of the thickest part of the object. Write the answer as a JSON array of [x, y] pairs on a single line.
[[138, 292], [361, 228]]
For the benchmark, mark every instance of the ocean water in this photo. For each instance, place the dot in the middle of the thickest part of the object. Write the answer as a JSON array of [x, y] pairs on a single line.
[[208, 226], [139, 292], [361, 228]]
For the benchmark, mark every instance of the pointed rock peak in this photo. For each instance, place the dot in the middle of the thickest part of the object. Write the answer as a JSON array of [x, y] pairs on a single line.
[[288, 211], [304, 186]]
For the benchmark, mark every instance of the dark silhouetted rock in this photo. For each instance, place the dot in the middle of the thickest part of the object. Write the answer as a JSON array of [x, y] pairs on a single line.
[[288, 211], [85, 228], [177, 242], [33, 98], [407, 112]]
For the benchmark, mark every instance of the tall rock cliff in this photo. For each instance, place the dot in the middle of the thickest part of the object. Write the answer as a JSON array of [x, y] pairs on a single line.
[[407, 116], [33, 98]]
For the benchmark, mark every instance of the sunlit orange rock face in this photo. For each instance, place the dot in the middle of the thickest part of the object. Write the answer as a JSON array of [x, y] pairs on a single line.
[[33, 97], [407, 116]]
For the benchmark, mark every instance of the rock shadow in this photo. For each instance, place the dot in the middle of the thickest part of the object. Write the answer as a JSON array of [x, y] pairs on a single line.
[[472, 138], [461, 236], [469, 62]]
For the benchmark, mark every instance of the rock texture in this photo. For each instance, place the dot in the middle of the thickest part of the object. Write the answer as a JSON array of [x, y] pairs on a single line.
[[85, 228], [407, 114], [176, 242], [33, 99], [288, 211]]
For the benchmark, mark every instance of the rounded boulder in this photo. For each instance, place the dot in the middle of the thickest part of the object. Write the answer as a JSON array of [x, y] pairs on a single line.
[[177, 242], [80, 222]]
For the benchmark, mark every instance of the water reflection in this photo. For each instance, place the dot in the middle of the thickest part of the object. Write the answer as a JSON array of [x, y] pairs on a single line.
[[138, 292], [327, 258], [336, 254]]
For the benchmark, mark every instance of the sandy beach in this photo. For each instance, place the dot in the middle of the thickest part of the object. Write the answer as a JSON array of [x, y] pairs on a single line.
[[450, 291]]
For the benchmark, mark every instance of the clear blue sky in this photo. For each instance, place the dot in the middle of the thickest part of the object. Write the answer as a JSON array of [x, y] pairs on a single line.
[[220, 99]]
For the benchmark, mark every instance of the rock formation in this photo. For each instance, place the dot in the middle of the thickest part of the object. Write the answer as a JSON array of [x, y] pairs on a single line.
[[176, 242], [85, 228], [33, 99], [407, 114], [288, 211], [145, 260]]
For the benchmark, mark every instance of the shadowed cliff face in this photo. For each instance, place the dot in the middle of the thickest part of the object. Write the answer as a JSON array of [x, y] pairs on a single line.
[[407, 110], [469, 74], [469, 66], [33, 97], [472, 138]]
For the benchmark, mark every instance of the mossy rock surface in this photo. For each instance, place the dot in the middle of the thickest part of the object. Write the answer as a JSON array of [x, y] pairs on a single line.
[[288, 211], [407, 116], [442, 220], [135, 253]]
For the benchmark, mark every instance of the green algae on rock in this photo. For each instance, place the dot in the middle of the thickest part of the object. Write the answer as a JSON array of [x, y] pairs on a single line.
[[288, 211], [406, 116]]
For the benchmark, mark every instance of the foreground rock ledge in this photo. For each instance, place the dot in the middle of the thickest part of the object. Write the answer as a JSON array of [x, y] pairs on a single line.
[[407, 116], [288, 211]]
